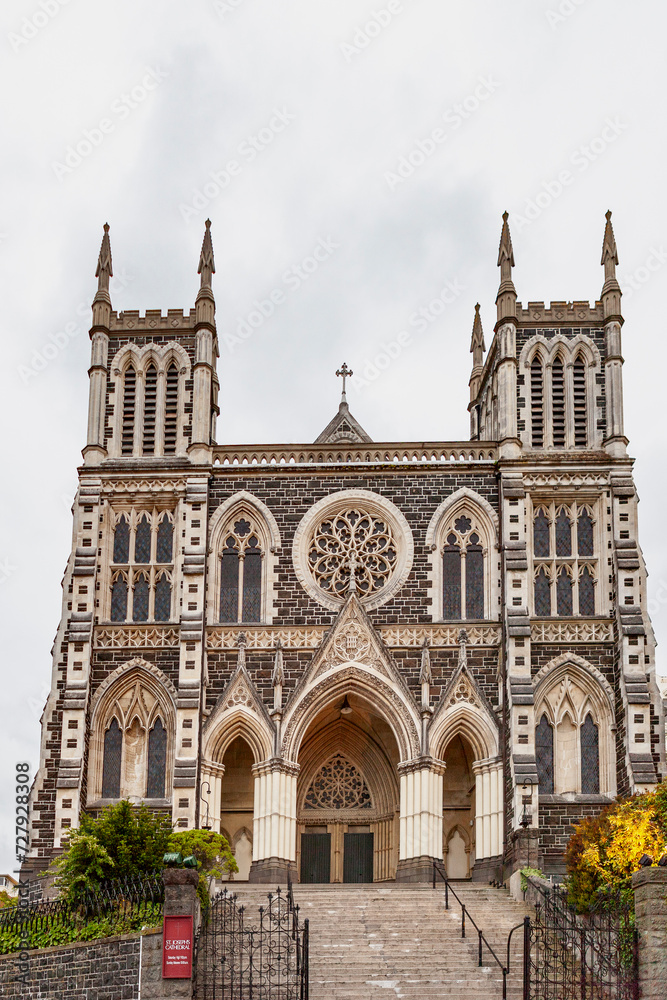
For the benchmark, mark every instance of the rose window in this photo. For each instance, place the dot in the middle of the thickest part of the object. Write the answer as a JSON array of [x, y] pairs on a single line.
[[338, 785], [352, 551]]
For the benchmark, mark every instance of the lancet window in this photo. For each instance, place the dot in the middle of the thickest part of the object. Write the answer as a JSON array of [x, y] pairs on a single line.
[[134, 744], [558, 395], [142, 567], [150, 399], [564, 560], [241, 570], [463, 569]]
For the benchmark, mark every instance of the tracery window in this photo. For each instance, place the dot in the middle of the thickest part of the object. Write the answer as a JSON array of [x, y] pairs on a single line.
[[353, 549], [241, 572], [565, 566], [338, 785], [567, 739], [134, 746], [142, 567], [463, 570]]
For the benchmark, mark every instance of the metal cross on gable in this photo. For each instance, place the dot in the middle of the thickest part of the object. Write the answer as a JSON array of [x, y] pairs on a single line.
[[344, 373]]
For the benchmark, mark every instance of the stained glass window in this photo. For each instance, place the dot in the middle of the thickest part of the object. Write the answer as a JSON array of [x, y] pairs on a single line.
[[451, 579], [474, 578], [163, 599], [229, 583], [586, 592], [157, 760], [563, 533], [171, 410], [140, 599], [585, 533], [119, 599], [542, 593], [590, 757], [564, 593], [113, 741], [121, 541], [150, 404], [252, 582], [142, 541], [541, 535], [129, 398], [165, 533], [544, 755]]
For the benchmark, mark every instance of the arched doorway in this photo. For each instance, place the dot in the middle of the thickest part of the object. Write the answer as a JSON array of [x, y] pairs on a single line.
[[237, 803], [347, 795], [458, 813]]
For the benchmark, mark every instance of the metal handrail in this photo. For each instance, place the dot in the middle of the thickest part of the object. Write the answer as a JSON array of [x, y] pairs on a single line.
[[437, 871]]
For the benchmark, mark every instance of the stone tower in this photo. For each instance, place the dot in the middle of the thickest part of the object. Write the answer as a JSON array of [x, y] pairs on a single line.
[[352, 657]]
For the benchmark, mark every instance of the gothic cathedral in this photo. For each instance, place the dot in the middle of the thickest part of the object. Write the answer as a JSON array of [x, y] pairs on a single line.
[[353, 658]]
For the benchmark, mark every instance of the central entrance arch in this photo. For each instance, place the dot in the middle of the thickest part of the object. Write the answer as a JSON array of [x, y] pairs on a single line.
[[347, 795]]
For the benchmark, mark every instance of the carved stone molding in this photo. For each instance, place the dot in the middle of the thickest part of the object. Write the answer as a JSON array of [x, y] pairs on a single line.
[[572, 631], [574, 480], [135, 637], [226, 636]]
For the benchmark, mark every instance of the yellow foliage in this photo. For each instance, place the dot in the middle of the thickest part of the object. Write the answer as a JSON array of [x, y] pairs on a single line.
[[631, 830]]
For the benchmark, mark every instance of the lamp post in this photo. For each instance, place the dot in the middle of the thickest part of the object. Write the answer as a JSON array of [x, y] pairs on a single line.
[[207, 825]]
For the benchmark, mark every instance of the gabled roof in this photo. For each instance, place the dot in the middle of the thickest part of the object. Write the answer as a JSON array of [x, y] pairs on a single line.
[[343, 427]]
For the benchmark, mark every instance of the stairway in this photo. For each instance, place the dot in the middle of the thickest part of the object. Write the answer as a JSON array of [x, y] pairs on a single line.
[[396, 940]]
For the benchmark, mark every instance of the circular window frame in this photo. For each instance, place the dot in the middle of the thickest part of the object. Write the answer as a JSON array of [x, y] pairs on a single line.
[[377, 506]]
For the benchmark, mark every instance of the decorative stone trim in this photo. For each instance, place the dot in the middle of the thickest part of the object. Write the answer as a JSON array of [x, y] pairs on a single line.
[[135, 637], [366, 502], [226, 636], [394, 454], [572, 631]]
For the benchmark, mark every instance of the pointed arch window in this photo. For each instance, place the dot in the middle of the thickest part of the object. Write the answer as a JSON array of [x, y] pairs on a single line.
[[537, 403], [590, 757], [579, 396], [157, 760], [544, 755], [463, 572], [171, 410], [241, 573], [129, 411], [150, 409], [558, 403], [141, 584], [113, 745], [567, 531]]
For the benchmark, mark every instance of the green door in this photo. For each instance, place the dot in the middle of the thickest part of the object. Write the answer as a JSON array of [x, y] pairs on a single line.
[[358, 857], [315, 857]]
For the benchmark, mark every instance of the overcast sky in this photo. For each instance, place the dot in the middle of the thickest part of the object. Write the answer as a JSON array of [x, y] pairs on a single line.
[[390, 134]]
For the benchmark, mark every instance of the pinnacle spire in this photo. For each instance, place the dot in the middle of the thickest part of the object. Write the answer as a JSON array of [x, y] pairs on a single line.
[[206, 262], [611, 290], [506, 297], [477, 345], [425, 675], [278, 669], [104, 269]]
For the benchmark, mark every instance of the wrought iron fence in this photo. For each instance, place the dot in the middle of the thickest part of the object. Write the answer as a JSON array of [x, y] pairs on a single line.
[[264, 960], [122, 904], [592, 957]]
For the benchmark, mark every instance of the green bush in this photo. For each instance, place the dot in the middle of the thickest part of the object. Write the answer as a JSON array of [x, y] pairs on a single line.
[[67, 928], [215, 860], [526, 872]]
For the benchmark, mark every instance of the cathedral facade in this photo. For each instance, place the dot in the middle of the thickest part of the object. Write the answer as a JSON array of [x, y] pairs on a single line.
[[353, 658]]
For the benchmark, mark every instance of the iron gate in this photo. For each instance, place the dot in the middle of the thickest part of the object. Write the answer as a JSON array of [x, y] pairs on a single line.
[[570, 957], [240, 959]]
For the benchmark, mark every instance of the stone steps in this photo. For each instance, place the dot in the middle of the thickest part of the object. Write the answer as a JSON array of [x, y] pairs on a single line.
[[398, 940]]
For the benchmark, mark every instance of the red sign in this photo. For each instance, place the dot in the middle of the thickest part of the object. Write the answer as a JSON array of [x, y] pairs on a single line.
[[177, 948]]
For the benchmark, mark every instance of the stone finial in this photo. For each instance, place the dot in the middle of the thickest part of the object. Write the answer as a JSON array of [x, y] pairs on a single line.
[[477, 345], [278, 679], [506, 298], [463, 650], [425, 675], [206, 261], [104, 269], [611, 290], [242, 645]]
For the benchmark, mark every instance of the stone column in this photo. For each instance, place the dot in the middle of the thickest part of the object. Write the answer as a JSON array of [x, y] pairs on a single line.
[[488, 817], [180, 900], [274, 821], [650, 888], [420, 836]]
